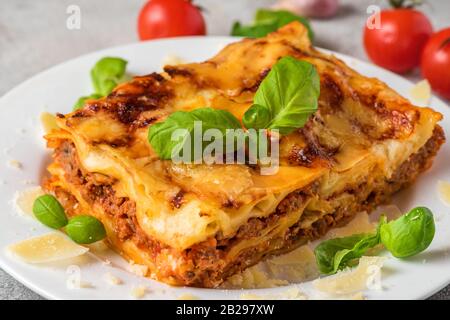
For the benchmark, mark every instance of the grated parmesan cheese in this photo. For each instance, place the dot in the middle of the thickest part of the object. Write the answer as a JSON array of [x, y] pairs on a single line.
[[24, 200], [112, 279], [138, 269], [138, 292], [421, 93], [187, 296], [16, 164], [49, 247], [172, 60], [367, 275]]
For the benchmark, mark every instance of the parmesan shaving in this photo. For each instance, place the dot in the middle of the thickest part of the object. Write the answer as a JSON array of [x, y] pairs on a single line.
[[48, 121], [421, 93], [49, 247], [24, 200], [367, 275], [444, 192]]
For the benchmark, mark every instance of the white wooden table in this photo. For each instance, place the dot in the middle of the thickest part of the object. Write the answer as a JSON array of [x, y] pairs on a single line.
[[34, 37]]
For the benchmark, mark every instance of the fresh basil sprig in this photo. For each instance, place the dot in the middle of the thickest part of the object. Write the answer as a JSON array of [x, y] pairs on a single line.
[[284, 101], [267, 21], [286, 97], [81, 229], [404, 237], [106, 74], [160, 134]]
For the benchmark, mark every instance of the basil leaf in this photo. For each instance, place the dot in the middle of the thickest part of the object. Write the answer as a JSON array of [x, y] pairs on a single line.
[[160, 135], [282, 18], [85, 229], [107, 73], [253, 31], [335, 254], [257, 117], [267, 21], [49, 211], [82, 100], [289, 93], [410, 234]]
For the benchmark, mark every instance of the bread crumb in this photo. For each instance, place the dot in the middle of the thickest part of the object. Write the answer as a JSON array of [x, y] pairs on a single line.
[[112, 279], [138, 292]]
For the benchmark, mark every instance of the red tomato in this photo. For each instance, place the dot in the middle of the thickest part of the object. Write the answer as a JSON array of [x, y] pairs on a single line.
[[399, 41], [170, 18], [435, 62]]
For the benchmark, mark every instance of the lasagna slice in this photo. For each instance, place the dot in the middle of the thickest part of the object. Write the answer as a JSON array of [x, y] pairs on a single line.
[[196, 225]]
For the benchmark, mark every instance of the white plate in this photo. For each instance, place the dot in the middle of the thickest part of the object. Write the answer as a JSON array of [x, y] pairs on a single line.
[[55, 90]]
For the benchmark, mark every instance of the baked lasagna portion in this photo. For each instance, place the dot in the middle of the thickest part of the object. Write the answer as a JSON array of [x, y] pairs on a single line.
[[196, 225]]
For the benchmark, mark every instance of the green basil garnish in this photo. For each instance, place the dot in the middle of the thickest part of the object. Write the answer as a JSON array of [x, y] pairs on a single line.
[[106, 74], [410, 234], [286, 98], [85, 229], [267, 21], [49, 211], [160, 134], [404, 237], [284, 101]]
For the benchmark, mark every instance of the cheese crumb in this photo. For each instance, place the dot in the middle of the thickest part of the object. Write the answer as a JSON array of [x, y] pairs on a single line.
[[53, 246], [24, 199], [187, 296], [172, 60], [251, 296], [444, 192], [112, 279], [367, 275], [48, 121], [15, 164], [138, 269], [138, 292], [421, 93]]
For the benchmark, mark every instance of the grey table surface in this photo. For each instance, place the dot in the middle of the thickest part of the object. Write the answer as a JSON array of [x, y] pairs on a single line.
[[34, 37]]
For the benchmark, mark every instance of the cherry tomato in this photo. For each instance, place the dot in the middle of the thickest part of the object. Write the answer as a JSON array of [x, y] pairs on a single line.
[[398, 42], [170, 18], [435, 63]]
